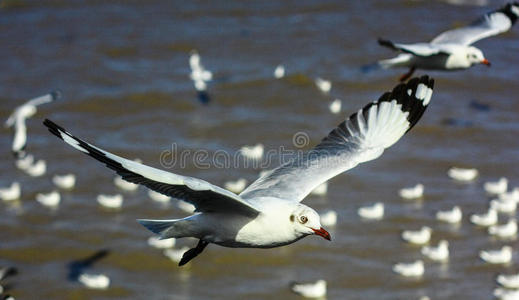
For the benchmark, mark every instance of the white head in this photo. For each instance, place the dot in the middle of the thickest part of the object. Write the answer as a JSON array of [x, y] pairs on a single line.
[[475, 56], [27, 111], [306, 221]]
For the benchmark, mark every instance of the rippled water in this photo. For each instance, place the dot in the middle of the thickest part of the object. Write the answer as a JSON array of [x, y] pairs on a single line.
[[123, 69]]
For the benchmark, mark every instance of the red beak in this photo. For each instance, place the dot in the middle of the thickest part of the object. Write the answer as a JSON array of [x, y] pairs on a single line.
[[485, 62], [322, 233]]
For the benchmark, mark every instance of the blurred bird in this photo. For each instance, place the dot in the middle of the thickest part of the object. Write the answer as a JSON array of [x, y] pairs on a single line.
[[501, 256], [23, 162], [7, 271], [508, 230], [94, 281], [11, 193], [462, 174], [310, 290], [37, 169], [51, 199], [279, 72], [505, 294], [504, 206], [65, 182], [175, 254], [415, 269], [77, 267], [125, 185], [439, 253], [412, 192], [252, 152], [421, 236], [496, 187], [335, 106], [487, 219], [508, 281], [328, 218], [157, 242], [110, 201], [185, 206], [450, 216], [323, 85], [200, 77], [236, 186], [513, 195], [374, 212], [156, 196], [321, 189]]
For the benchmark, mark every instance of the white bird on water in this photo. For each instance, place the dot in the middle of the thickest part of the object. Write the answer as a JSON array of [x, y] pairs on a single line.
[[504, 231], [11, 192], [506, 294], [321, 189], [37, 169], [268, 213], [156, 242], [24, 161], [185, 206], [323, 85], [51, 199], [279, 72], [110, 201], [418, 237], [439, 253], [412, 192], [496, 187], [414, 269], [310, 290], [17, 120], [450, 216], [199, 74], [374, 212], [508, 281], [462, 174], [236, 186], [501, 256], [175, 254], [65, 182], [335, 106], [513, 195], [504, 206], [328, 218], [487, 219], [158, 197], [253, 152], [451, 50], [125, 185], [95, 281]]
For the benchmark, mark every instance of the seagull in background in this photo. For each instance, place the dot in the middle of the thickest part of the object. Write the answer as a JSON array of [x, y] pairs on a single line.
[[268, 213], [200, 76], [452, 49], [17, 121]]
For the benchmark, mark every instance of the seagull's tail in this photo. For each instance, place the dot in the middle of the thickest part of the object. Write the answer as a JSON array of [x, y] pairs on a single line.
[[166, 229]]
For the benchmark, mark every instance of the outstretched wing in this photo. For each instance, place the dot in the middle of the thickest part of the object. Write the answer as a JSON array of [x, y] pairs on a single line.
[[490, 24], [418, 49], [362, 137], [203, 195]]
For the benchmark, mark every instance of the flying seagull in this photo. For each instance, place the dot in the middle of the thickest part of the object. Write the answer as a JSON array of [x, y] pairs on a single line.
[[451, 50], [268, 213]]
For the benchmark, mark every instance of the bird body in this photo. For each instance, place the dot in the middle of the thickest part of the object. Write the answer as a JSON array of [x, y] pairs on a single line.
[[508, 230], [421, 236], [11, 193], [51, 199], [450, 216], [374, 212], [487, 219], [462, 174], [496, 187], [310, 290], [508, 281], [415, 269], [65, 182], [501, 256], [412, 192], [439, 253]]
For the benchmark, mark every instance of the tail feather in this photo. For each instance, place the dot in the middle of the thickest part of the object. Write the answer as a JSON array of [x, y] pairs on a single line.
[[165, 228]]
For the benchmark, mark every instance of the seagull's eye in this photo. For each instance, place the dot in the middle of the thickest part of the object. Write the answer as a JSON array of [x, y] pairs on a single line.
[[303, 219]]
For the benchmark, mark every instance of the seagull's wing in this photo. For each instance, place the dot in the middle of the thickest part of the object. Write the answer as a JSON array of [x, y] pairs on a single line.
[[203, 195], [490, 24], [362, 137], [45, 98], [418, 49]]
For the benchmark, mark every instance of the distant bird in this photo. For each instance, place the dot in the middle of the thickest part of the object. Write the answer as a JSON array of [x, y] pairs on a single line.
[[451, 50], [158, 197], [37, 169], [185, 206], [321, 189], [65, 182], [125, 185], [415, 269], [508, 230], [156, 242], [11, 193], [487, 219], [200, 76], [421, 236], [462, 174], [279, 72], [506, 294], [95, 281], [412, 192], [513, 195], [17, 120], [335, 106], [51, 199], [110, 201], [310, 290], [236, 186], [78, 267], [23, 162], [508, 281], [175, 255], [504, 206], [450, 216], [374, 212], [323, 85], [439, 253], [252, 152], [328, 218], [496, 187], [501, 256]]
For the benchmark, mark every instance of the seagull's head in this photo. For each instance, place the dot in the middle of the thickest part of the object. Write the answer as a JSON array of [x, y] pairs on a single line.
[[306, 221], [475, 56]]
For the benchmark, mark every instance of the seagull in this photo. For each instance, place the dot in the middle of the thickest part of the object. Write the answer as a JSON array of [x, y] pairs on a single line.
[[374, 212], [335, 106], [415, 269], [505, 294], [186, 206], [279, 72], [51, 199], [412, 192], [508, 230], [110, 201], [125, 185], [159, 197], [419, 237], [513, 195], [156, 242], [268, 213], [253, 152], [451, 49], [501, 256], [450, 216], [439, 253], [504, 206], [328, 218], [24, 161], [321, 189], [487, 219], [462, 174], [95, 281], [323, 85], [310, 290], [77, 267], [508, 281], [17, 120], [496, 187], [176, 255], [236, 186], [37, 169], [11, 193], [200, 76], [65, 182]]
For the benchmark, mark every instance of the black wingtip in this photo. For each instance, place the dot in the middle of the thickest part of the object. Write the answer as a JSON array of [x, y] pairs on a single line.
[[53, 128], [386, 43]]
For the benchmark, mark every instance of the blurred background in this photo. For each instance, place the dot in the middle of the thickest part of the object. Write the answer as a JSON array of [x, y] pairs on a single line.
[[123, 69]]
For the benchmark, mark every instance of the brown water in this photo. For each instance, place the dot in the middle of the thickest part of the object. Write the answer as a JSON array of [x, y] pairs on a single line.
[[123, 69]]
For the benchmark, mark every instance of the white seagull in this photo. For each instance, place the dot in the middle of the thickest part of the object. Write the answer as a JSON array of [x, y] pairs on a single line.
[[156, 242], [496, 187], [412, 192], [310, 290], [415, 269], [501, 256], [51, 199], [65, 182], [268, 213], [508, 281], [451, 50], [11, 193], [125, 185], [24, 162], [418, 237], [504, 206], [95, 281], [175, 254], [450, 216], [323, 85], [321, 189], [462, 174], [513, 195], [17, 120], [505, 294], [439, 253], [200, 76], [374, 212], [328, 218], [110, 201], [37, 169], [158, 197], [279, 72], [487, 219], [253, 152], [335, 106], [236, 186], [505, 231]]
